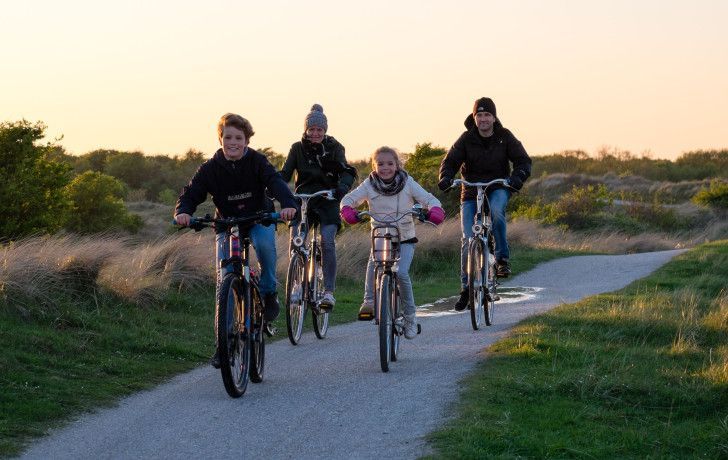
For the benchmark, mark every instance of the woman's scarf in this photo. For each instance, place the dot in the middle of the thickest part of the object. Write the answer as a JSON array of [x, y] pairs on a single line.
[[393, 187]]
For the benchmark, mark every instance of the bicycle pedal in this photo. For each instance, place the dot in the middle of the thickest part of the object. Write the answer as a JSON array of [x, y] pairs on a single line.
[[270, 330], [365, 317], [495, 298]]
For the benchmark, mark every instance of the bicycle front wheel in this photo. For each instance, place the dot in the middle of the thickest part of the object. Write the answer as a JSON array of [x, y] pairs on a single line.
[[398, 324], [257, 341], [385, 322], [295, 306], [476, 282], [319, 316], [233, 337]]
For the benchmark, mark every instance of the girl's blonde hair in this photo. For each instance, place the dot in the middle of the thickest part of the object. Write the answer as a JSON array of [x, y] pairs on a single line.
[[385, 149]]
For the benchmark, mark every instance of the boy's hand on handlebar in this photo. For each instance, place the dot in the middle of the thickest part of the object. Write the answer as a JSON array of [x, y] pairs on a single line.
[[183, 219], [288, 213]]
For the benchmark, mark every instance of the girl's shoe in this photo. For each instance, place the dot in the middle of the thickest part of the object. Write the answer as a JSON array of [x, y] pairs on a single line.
[[366, 311], [410, 326]]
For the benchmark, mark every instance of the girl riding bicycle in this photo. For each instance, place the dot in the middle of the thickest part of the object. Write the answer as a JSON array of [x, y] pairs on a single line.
[[389, 191], [320, 164]]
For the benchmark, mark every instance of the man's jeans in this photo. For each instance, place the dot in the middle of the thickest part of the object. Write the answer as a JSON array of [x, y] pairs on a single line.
[[498, 199]]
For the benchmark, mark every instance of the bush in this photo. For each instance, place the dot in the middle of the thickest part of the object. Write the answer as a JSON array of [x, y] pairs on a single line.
[[32, 181], [715, 196], [98, 205]]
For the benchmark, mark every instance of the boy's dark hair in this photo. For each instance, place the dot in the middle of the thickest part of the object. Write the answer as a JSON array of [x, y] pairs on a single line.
[[236, 121]]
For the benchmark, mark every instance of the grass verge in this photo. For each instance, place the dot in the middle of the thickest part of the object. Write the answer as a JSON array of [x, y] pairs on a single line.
[[640, 373]]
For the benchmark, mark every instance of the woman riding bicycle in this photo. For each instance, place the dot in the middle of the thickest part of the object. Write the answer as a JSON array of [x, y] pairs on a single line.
[[320, 164], [237, 177], [389, 191]]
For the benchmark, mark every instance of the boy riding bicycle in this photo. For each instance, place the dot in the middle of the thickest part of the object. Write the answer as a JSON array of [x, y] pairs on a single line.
[[237, 177]]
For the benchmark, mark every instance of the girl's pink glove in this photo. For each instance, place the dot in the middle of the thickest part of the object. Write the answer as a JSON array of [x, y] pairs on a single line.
[[349, 214], [436, 215]]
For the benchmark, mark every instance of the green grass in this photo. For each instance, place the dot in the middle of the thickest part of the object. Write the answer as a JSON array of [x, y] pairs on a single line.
[[640, 373], [85, 353]]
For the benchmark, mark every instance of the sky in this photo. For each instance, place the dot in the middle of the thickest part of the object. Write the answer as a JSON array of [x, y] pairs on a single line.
[[650, 77]]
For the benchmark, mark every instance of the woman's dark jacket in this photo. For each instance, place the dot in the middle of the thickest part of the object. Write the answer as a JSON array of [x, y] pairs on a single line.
[[238, 188], [320, 167], [482, 160]]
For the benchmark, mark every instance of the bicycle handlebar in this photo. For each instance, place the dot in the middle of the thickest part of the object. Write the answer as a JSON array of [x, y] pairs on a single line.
[[485, 185], [328, 194], [198, 223], [416, 211]]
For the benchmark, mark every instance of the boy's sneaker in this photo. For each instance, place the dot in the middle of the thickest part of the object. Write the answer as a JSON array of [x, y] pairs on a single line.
[[272, 308], [462, 302], [366, 311], [327, 301], [502, 268], [215, 360], [410, 326]]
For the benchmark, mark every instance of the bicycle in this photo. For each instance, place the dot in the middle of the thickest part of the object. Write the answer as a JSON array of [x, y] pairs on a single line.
[[388, 315], [239, 313], [482, 280], [305, 278]]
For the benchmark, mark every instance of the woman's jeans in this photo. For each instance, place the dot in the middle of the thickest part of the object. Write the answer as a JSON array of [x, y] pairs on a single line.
[[264, 243], [498, 199], [328, 253], [406, 253]]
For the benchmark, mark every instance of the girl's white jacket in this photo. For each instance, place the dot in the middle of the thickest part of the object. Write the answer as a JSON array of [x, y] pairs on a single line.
[[391, 207]]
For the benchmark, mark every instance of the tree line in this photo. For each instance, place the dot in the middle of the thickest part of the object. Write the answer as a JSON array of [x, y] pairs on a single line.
[[45, 189]]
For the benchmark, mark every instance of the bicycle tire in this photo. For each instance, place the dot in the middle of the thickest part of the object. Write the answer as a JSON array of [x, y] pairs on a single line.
[[257, 340], [295, 302], [476, 282], [319, 316], [395, 310], [233, 339], [490, 279], [385, 322]]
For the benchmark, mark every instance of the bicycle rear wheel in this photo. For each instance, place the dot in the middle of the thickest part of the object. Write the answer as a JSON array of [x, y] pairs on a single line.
[[385, 322], [257, 341], [398, 324], [476, 282], [233, 338], [319, 316], [295, 304]]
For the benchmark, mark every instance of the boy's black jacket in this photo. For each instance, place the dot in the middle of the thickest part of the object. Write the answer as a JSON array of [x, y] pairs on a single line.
[[238, 188]]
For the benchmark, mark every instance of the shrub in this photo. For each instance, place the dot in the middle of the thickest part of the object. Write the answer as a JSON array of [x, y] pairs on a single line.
[[716, 195], [98, 205]]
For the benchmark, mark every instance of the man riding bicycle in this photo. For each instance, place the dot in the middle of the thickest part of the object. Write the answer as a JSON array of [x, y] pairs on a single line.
[[482, 153], [237, 177]]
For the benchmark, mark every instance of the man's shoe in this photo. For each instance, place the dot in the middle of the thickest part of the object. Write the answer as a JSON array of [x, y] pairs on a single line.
[[502, 268], [462, 302], [327, 301], [272, 308], [410, 327], [215, 360], [366, 311]]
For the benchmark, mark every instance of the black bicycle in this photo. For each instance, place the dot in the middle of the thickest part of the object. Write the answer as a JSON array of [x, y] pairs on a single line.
[[240, 326], [482, 280], [305, 280], [388, 314]]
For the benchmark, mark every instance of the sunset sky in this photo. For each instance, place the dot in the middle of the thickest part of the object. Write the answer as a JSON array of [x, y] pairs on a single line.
[[155, 76]]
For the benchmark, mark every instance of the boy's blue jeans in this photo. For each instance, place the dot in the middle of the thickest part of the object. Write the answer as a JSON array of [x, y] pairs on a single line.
[[264, 243], [498, 199]]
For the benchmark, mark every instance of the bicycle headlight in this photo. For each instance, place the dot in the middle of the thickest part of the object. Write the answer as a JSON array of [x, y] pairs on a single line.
[[477, 229], [297, 241]]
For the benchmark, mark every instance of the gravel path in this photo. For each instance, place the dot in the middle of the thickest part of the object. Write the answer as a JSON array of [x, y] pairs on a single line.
[[330, 399]]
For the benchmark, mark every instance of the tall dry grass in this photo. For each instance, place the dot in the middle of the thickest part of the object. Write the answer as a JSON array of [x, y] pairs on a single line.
[[37, 272]]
